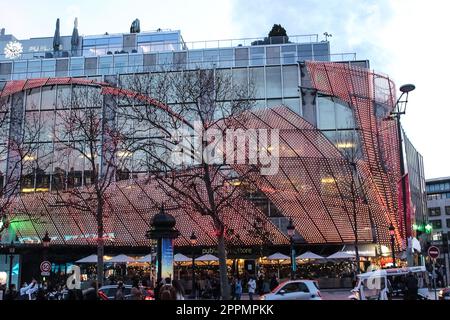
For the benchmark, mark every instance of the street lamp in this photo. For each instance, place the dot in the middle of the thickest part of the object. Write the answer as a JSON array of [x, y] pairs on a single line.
[[291, 231], [193, 240], [46, 240], [400, 109], [12, 250], [392, 234]]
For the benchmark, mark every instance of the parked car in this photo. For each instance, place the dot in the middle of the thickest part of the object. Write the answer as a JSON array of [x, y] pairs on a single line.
[[109, 292], [295, 290], [444, 294]]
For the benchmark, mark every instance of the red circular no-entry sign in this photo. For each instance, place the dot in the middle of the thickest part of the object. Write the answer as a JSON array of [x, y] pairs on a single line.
[[46, 266], [433, 252]]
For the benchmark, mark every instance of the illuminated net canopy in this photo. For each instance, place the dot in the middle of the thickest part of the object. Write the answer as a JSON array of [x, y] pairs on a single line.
[[309, 186]]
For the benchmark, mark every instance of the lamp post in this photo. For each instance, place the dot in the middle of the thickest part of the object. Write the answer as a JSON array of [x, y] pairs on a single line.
[[12, 250], [400, 109], [392, 234], [46, 244], [291, 231], [193, 240], [163, 230]]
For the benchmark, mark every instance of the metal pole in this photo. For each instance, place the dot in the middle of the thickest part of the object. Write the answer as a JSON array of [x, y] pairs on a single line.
[[393, 250], [11, 257], [292, 258], [402, 173], [193, 275], [434, 279]]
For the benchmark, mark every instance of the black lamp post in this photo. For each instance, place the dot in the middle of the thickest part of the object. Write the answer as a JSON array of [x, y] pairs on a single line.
[[400, 109], [392, 234], [193, 240], [291, 231], [12, 250]]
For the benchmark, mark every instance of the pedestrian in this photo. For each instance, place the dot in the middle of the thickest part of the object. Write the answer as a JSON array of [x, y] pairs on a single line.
[[136, 291], [233, 288], [120, 291], [411, 287], [167, 291], [238, 289], [251, 288], [260, 285], [273, 282], [11, 293], [179, 289]]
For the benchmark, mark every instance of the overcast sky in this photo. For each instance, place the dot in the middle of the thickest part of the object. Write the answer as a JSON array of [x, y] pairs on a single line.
[[406, 39]]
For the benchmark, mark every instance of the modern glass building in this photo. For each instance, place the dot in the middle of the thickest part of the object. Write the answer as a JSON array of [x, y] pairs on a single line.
[[327, 107]]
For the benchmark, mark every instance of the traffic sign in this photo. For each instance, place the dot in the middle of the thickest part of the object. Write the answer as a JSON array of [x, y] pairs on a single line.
[[46, 267], [433, 252]]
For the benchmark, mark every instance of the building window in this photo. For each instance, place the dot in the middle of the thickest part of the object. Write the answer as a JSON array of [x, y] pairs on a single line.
[[448, 223], [447, 211], [434, 212], [437, 224]]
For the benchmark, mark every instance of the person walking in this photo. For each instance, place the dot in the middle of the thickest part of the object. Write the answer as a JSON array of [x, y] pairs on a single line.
[[411, 287], [260, 285], [136, 291], [251, 288], [238, 289], [120, 295], [273, 282], [179, 289], [167, 291], [11, 293]]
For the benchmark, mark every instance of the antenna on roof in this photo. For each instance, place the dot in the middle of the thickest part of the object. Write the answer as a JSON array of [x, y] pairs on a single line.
[[327, 35]]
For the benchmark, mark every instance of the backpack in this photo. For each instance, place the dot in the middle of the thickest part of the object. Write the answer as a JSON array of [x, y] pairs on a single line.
[[166, 293]]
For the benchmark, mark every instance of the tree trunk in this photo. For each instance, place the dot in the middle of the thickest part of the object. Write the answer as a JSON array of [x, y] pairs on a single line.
[[224, 286], [100, 245]]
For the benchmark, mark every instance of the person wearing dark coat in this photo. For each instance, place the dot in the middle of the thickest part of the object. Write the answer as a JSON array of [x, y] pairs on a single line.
[[411, 286]]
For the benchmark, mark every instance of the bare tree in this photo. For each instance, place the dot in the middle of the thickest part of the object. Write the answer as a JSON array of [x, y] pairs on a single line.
[[353, 186], [88, 132], [184, 159], [19, 155]]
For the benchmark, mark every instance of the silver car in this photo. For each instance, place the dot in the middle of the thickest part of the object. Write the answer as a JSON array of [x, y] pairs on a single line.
[[295, 290]]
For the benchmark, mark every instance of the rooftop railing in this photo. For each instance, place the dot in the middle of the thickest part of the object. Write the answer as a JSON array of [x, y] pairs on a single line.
[[160, 46]]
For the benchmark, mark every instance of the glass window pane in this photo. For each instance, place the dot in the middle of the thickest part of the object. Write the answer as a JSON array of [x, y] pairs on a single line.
[[211, 57], [48, 67], [326, 113], [257, 79], [135, 63], [33, 98], [290, 81], [241, 57], [273, 82], [226, 58], [48, 98], [273, 55], [34, 69], [274, 103], [293, 104], [257, 56], [165, 59], [46, 126], [106, 65], [20, 70], [120, 63], [195, 58], [76, 66], [304, 52], [289, 54], [344, 116]]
